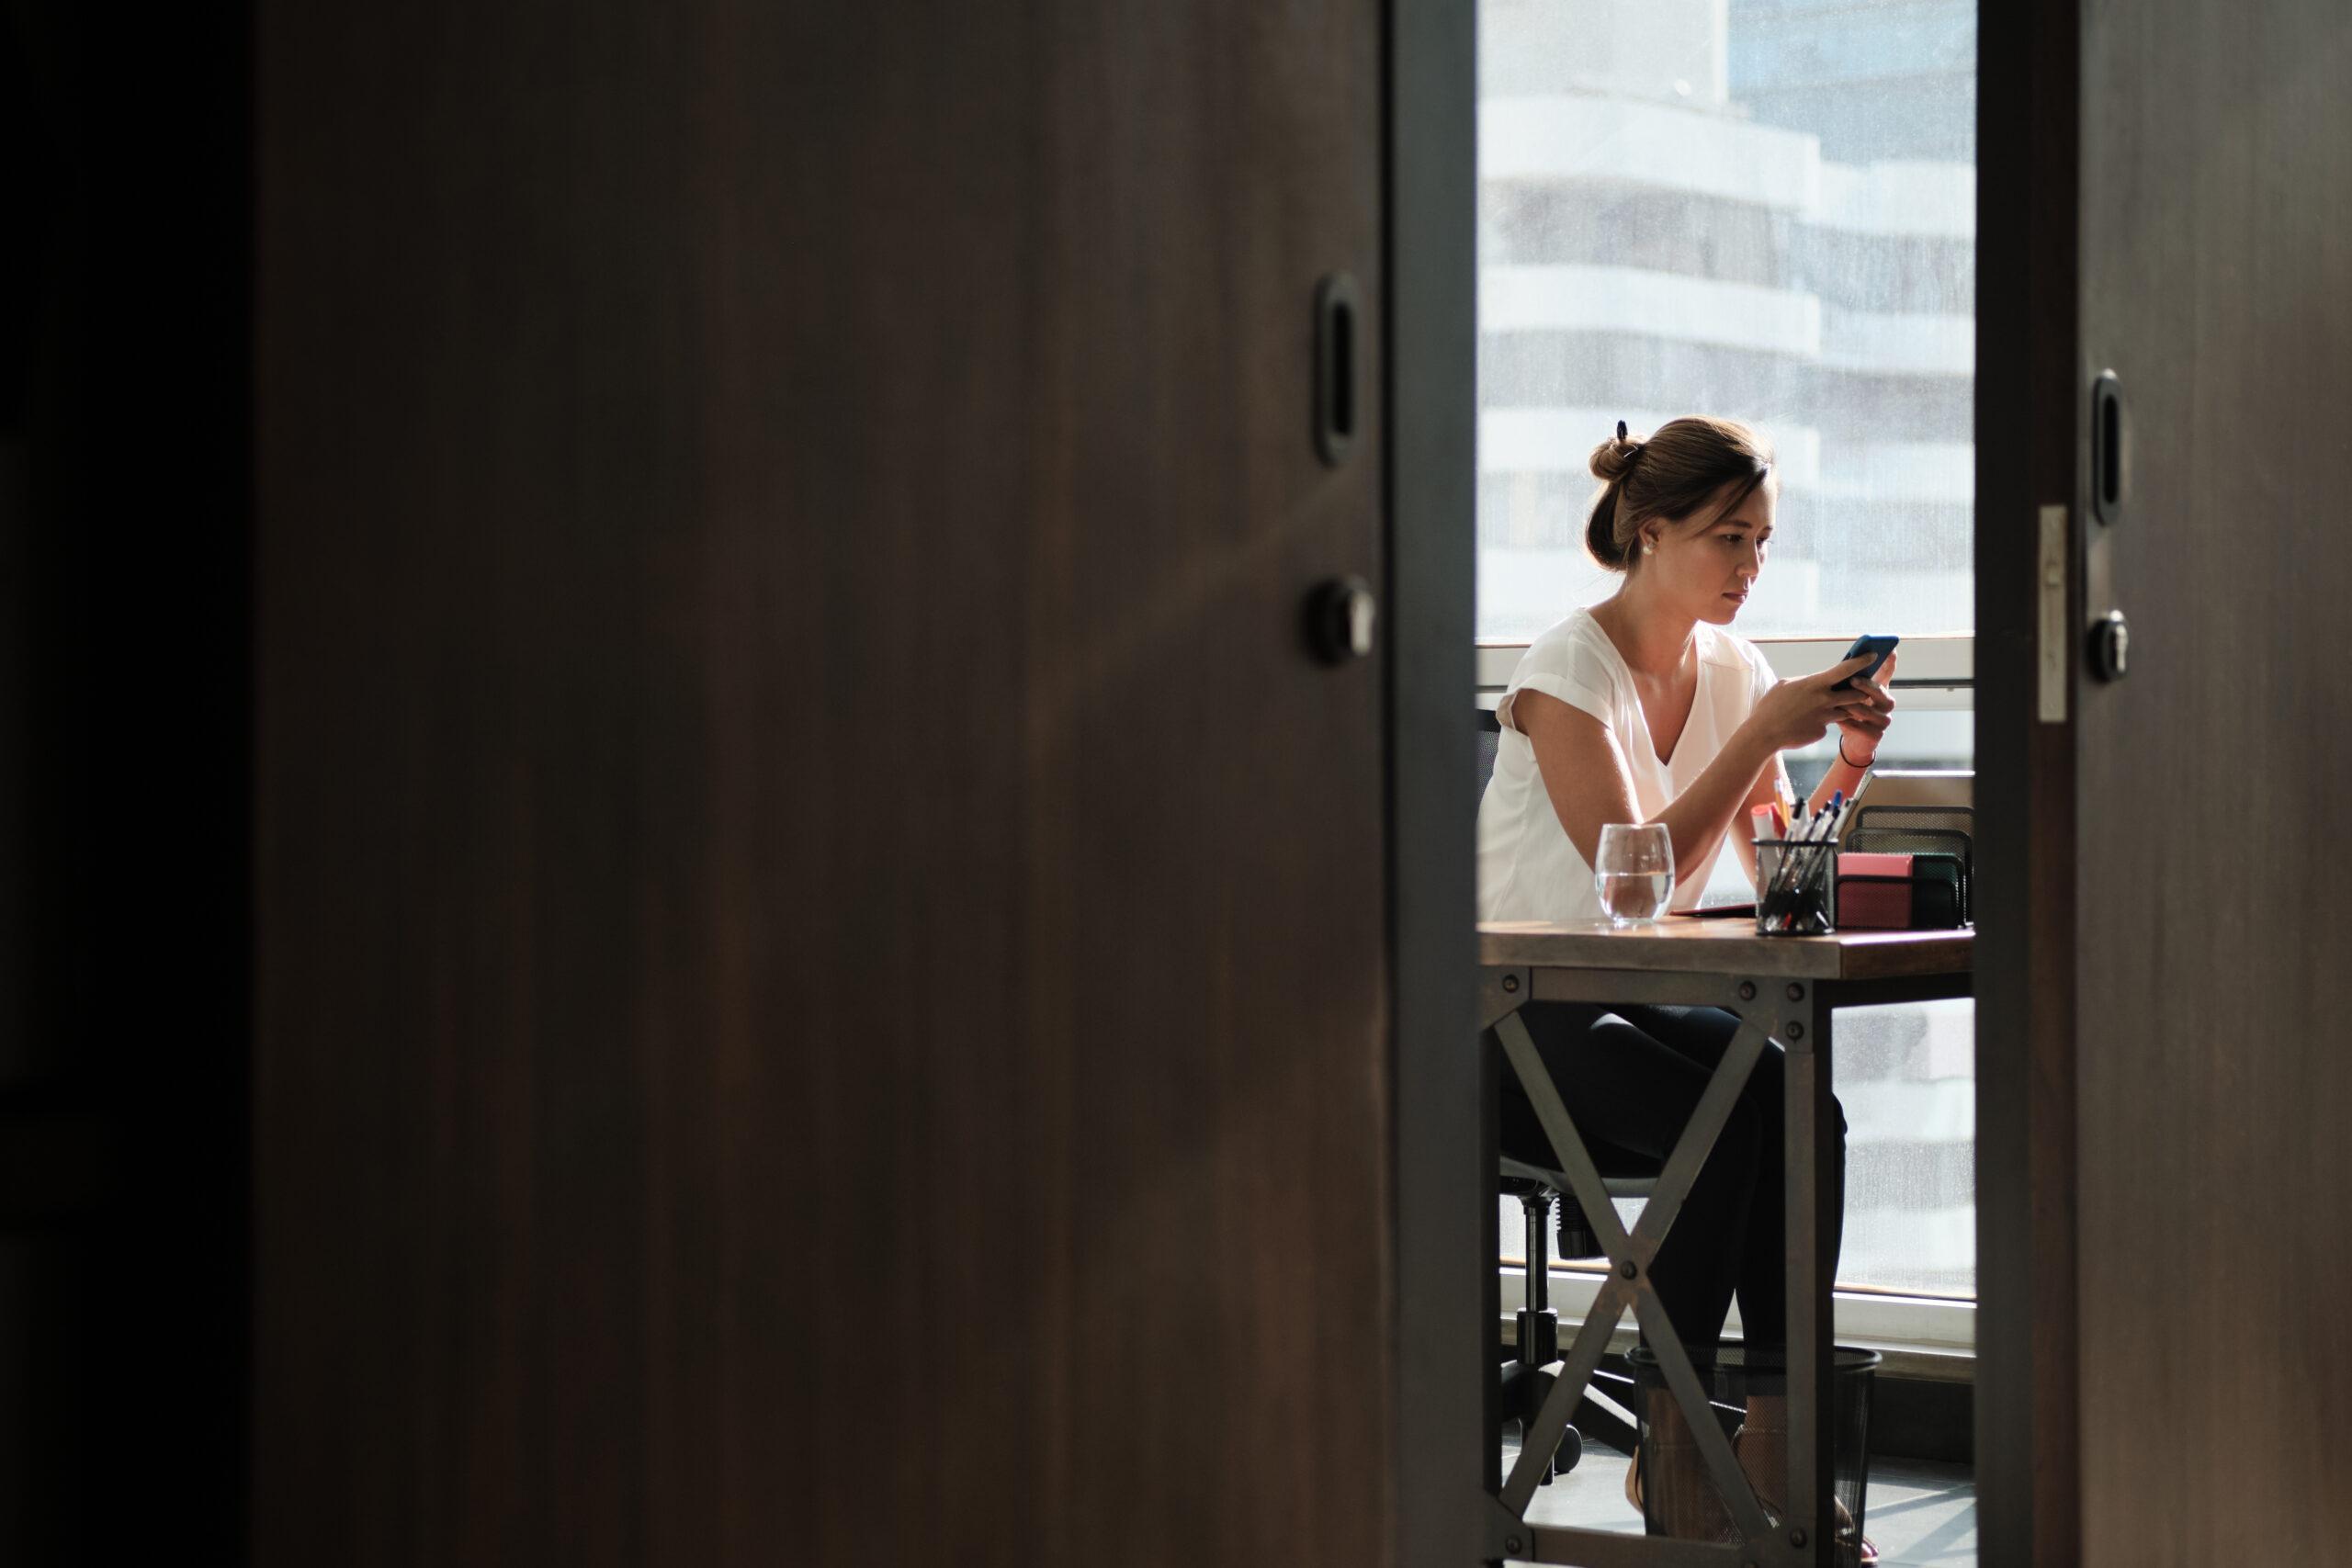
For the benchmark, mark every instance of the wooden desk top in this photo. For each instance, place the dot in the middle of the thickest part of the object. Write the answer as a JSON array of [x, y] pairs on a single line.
[[1679, 945]]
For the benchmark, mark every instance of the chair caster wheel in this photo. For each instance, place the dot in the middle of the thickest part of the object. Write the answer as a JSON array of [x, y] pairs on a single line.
[[1565, 1456]]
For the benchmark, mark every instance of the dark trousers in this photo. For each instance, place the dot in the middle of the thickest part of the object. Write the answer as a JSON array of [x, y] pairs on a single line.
[[1630, 1077]]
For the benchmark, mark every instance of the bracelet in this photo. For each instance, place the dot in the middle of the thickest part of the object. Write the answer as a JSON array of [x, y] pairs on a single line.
[[1864, 766]]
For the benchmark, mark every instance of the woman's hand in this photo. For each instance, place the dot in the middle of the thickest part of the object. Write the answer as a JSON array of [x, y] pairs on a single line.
[[1796, 713], [1863, 724]]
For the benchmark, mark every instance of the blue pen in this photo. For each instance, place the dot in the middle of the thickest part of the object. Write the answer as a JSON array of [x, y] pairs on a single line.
[[1824, 821]]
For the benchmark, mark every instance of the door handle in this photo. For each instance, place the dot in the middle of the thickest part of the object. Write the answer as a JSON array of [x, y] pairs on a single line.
[[2108, 454], [1335, 367]]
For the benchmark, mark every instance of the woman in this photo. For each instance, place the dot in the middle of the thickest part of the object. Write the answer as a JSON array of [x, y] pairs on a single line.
[[1644, 709]]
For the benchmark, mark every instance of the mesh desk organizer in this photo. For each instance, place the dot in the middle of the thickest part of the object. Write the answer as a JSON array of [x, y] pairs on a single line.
[[1934, 893]]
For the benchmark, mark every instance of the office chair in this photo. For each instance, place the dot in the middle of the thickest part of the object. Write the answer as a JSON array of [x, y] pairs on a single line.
[[1542, 1192]]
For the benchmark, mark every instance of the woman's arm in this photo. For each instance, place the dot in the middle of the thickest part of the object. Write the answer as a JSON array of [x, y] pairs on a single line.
[[1769, 784], [1859, 730], [1862, 725], [1586, 776]]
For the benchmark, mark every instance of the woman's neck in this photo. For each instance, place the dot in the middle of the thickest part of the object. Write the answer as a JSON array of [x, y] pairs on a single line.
[[1652, 638]]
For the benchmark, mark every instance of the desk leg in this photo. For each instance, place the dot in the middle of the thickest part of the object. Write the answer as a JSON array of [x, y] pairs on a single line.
[[1812, 1190]]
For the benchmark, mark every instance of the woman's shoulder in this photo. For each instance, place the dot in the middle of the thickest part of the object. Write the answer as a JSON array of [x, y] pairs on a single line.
[[1577, 631], [1575, 661], [1575, 644]]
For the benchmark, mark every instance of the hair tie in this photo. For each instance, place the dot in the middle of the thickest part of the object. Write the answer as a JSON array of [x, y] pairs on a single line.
[[1621, 430]]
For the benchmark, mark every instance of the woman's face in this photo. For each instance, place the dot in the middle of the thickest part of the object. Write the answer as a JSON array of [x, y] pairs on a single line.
[[1706, 572]]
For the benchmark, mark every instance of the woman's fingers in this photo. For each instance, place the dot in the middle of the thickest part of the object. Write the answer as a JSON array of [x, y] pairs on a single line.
[[1844, 669], [1862, 702], [1867, 707], [1869, 698], [1864, 699]]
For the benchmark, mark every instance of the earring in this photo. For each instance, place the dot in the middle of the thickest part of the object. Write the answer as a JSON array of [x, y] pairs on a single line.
[[1649, 548]]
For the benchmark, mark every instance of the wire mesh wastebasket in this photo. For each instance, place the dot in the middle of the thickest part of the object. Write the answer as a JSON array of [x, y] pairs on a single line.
[[1678, 1498]]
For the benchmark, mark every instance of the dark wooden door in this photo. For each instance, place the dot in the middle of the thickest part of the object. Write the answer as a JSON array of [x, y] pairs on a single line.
[[2031, 413], [820, 981], [2185, 910]]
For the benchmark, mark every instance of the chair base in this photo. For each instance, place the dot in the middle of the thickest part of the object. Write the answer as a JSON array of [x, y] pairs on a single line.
[[1524, 1389]]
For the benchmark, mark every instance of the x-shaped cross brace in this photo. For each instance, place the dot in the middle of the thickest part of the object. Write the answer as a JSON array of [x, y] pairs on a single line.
[[1628, 1280]]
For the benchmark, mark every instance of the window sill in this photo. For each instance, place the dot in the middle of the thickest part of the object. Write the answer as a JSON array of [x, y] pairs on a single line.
[[1926, 1337], [1932, 673]]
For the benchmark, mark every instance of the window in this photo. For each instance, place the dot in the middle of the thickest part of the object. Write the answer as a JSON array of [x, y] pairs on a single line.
[[1765, 210], [1760, 208]]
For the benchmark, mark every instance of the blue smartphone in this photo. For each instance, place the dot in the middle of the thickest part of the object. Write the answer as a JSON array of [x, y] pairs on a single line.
[[1881, 646]]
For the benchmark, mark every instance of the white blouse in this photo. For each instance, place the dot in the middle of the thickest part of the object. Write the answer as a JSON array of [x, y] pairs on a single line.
[[1528, 866]]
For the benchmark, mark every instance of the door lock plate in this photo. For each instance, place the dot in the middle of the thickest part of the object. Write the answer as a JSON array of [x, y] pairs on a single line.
[[2110, 646]]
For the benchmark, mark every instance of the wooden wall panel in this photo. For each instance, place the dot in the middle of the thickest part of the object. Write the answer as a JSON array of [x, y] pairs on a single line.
[[821, 983]]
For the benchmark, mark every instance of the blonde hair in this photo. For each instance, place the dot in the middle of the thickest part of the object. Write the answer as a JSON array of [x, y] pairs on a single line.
[[1672, 474]]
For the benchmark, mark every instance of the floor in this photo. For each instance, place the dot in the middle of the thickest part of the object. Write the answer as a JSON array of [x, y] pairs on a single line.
[[1921, 1514]]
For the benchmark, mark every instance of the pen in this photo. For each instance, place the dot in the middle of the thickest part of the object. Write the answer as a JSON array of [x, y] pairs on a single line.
[[1784, 875], [1798, 866]]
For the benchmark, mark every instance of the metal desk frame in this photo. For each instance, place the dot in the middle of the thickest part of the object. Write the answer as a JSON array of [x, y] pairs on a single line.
[[1796, 1010]]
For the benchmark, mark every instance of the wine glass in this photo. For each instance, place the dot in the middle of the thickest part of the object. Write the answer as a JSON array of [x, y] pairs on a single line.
[[1633, 873]]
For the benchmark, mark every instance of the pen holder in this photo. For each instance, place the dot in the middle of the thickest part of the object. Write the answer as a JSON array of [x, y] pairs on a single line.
[[1796, 887]]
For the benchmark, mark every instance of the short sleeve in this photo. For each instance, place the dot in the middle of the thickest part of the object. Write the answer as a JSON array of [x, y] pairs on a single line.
[[1569, 669]]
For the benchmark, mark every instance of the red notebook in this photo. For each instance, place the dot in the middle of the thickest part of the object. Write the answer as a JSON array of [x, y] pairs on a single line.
[[1880, 906]]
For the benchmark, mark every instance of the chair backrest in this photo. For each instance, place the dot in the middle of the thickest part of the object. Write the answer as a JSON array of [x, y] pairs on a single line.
[[1490, 740]]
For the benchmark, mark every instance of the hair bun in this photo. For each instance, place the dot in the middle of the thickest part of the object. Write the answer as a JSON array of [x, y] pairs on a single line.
[[1614, 456]]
